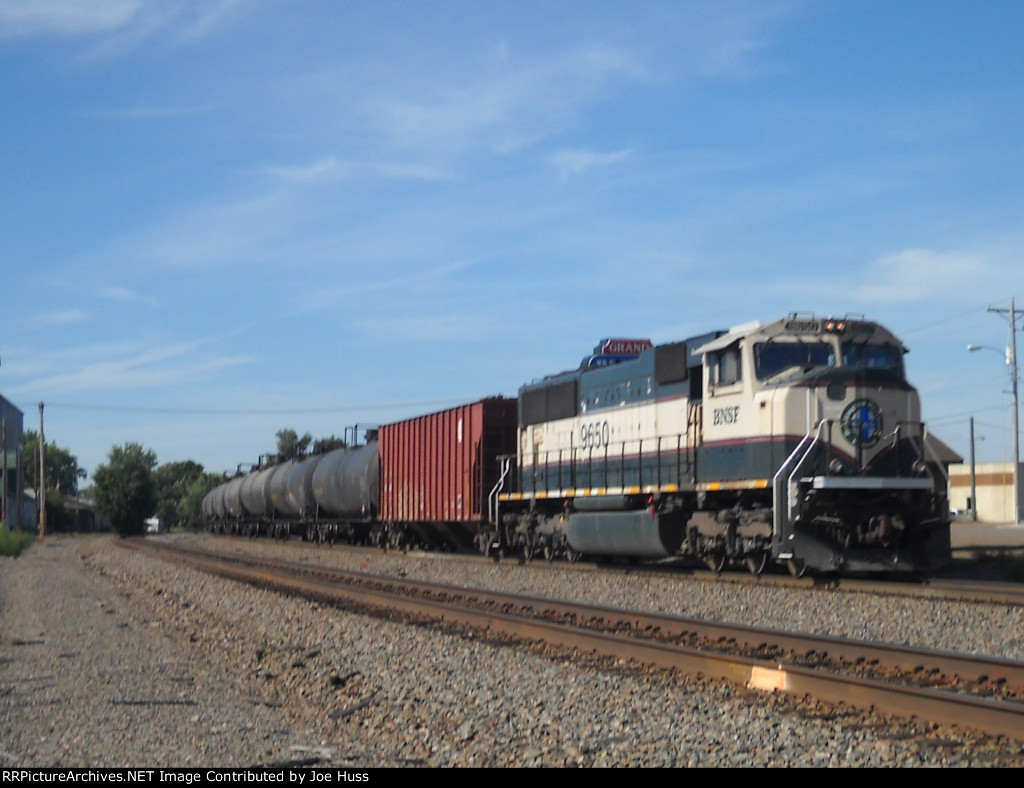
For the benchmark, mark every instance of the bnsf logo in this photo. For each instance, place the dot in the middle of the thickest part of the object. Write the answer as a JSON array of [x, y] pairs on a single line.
[[726, 415]]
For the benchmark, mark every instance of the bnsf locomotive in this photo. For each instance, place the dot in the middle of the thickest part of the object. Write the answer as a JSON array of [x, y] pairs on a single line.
[[797, 443]]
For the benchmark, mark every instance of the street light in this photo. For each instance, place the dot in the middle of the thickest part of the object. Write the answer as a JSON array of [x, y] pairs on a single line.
[[1011, 361]]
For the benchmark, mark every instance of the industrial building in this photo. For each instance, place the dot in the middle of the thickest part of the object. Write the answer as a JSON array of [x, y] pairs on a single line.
[[18, 511]]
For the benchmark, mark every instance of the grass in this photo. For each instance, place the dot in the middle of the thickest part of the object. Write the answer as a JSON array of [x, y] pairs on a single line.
[[13, 542]]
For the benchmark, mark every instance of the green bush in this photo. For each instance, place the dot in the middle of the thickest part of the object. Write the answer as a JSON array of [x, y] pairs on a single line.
[[12, 543]]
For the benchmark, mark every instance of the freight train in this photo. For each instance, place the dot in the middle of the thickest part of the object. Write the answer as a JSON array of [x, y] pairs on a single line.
[[796, 444]]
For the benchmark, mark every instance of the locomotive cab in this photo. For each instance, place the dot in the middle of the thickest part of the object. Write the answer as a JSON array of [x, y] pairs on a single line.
[[818, 414]]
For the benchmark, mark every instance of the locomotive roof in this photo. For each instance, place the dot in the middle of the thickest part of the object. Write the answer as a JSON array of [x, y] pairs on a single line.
[[801, 325], [796, 324]]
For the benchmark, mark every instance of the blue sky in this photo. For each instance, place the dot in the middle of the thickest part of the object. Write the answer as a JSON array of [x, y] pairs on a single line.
[[222, 218]]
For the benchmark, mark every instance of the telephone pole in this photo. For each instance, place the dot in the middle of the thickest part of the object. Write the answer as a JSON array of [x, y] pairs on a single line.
[[42, 476], [3, 493], [1011, 361]]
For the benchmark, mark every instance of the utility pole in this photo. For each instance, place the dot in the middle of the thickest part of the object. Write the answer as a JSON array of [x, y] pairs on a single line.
[[42, 476], [1011, 361], [3, 494], [974, 478]]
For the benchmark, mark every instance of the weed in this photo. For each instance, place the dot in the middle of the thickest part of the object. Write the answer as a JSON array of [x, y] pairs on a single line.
[[13, 542]]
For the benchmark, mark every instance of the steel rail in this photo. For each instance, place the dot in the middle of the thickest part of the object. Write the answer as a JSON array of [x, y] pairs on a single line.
[[972, 667], [993, 717]]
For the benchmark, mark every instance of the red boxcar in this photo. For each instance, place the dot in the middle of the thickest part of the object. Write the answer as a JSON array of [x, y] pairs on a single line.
[[436, 471]]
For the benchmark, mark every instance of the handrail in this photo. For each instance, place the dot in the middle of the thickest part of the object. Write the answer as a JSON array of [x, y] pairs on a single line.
[[598, 466], [926, 448], [813, 438], [492, 497]]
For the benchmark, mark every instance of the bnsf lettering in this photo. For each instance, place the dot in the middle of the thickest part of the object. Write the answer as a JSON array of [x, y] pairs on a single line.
[[727, 415]]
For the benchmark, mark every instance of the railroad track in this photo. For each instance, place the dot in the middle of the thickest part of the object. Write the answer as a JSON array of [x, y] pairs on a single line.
[[965, 589], [938, 588], [969, 692]]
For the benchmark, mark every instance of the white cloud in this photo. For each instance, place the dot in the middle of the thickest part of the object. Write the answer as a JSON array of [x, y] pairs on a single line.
[[124, 22], [74, 17], [328, 169], [65, 317], [503, 109], [576, 162], [114, 368], [126, 296], [921, 274]]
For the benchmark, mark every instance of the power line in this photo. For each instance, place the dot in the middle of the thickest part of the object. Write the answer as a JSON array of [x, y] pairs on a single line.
[[246, 411]]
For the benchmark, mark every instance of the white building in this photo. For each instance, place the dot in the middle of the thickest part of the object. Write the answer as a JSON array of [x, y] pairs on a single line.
[[987, 489]]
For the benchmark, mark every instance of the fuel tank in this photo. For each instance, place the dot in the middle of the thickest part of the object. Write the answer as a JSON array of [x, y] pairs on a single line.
[[636, 534]]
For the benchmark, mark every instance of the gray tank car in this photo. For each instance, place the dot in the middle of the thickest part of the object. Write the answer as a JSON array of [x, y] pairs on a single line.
[[322, 498]]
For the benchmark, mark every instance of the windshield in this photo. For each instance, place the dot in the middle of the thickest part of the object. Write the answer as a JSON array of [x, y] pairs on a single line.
[[783, 360], [771, 359], [871, 356]]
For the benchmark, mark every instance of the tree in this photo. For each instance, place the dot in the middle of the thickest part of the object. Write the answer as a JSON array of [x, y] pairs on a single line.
[[62, 475], [124, 490], [173, 480], [324, 445], [290, 446], [61, 466], [189, 511]]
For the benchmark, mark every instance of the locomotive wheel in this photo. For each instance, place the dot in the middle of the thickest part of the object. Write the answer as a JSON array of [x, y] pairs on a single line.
[[756, 562], [486, 543], [549, 550], [715, 561], [797, 568], [572, 556]]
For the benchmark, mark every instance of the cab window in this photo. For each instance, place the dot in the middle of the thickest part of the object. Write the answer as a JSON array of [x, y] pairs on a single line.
[[782, 359], [886, 357], [726, 368]]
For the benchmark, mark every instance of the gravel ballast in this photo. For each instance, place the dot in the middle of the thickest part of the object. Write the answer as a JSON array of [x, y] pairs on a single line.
[[112, 659]]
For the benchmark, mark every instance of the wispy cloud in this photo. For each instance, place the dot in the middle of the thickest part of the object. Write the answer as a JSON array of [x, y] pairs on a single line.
[[329, 169], [125, 295], [921, 274], [132, 368], [357, 287], [500, 108], [577, 162], [123, 23], [64, 317], [67, 17], [446, 328], [149, 112], [211, 234]]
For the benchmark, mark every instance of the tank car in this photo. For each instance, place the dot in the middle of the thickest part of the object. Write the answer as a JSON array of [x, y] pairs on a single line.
[[323, 498], [796, 443], [346, 493]]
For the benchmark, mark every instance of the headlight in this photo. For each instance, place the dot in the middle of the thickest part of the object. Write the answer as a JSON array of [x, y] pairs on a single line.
[[836, 466]]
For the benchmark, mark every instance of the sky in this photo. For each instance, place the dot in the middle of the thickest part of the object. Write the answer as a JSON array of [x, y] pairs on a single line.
[[225, 218]]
